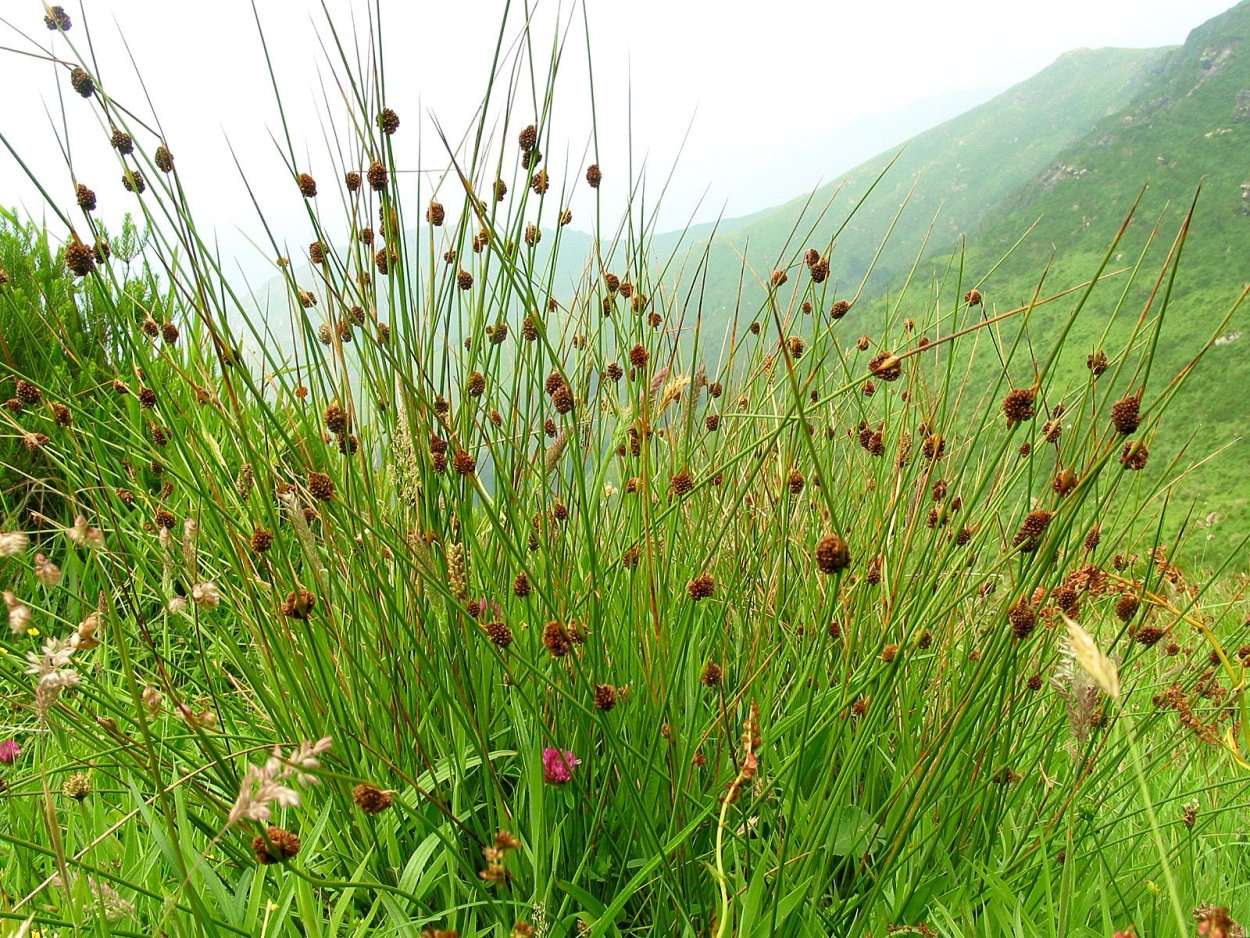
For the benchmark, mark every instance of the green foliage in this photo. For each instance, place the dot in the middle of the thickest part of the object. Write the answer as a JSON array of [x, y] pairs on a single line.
[[795, 606]]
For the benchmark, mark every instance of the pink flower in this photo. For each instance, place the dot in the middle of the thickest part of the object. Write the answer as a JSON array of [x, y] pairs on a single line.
[[558, 766], [10, 750]]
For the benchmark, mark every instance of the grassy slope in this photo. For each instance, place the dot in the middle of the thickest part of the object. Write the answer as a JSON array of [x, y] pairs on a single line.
[[1182, 127]]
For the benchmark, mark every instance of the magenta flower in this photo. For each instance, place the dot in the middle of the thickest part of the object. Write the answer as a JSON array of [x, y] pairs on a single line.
[[558, 766], [10, 750]]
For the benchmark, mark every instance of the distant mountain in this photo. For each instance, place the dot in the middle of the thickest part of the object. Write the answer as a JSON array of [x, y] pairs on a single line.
[[961, 170]]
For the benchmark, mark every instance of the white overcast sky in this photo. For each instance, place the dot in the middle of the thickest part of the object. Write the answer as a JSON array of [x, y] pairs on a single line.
[[781, 93]]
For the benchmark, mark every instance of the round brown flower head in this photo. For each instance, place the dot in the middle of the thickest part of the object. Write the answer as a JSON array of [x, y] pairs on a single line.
[[352, 180], [1018, 405], [158, 434], [320, 486], [299, 604], [832, 554], [701, 587], [795, 482], [501, 190], [528, 138], [463, 463], [388, 121], [61, 415], [169, 333], [839, 309], [973, 297], [275, 846], [1030, 534], [566, 217], [336, 419], [796, 347], [540, 183], [1064, 482], [132, 181], [888, 653], [521, 586], [325, 335], [1097, 363], [1125, 415], [377, 175], [1022, 618], [82, 82], [556, 639], [712, 675], [28, 393], [57, 19], [532, 234], [122, 143], [605, 697], [712, 423], [371, 799], [436, 214], [262, 540], [164, 518], [476, 384], [498, 633], [147, 398], [593, 176], [79, 258], [86, 198], [820, 271], [1149, 635], [682, 483], [307, 185], [464, 280], [163, 159], [34, 441], [563, 399], [1135, 455], [1126, 608], [638, 356], [384, 258], [862, 343], [778, 278], [885, 366], [934, 447]]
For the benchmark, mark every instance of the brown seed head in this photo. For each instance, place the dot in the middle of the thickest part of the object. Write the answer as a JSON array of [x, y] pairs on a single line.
[[593, 176], [1125, 415], [701, 587], [82, 82], [556, 639], [388, 121], [371, 799], [1018, 405], [832, 554], [307, 185], [605, 697], [275, 846]]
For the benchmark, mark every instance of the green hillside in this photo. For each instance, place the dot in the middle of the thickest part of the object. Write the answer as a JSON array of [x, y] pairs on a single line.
[[960, 169], [1187, 124]]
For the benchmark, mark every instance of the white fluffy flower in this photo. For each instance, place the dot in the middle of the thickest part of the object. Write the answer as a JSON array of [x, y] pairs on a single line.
[[12, 542]]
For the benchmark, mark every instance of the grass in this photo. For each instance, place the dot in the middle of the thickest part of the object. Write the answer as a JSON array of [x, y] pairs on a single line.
[[479, 606]]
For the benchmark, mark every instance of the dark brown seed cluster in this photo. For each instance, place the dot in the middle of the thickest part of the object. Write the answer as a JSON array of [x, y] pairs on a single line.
[[307, 185], [701, 587], [132, 181], [832, 554], [682, 483], [839, 309], [28, 393], [712, 676], [276, 845], [371, 799], [352, 180], [79, 258], [82, 82], [377, 175], [973, 297], [262, 540], [638, 356], [1125, 415], [556, 640], [593, 176], [86, 198], [605, 697], [388, 121], [299, 604], [540, 182], [320, 486], [163, 159], [436, 214], [1126, 608], [1030, 534], [885, 366], [1135, 455], [1018, 405], [1149, 635], [464, 280], [463, 463], [122, 143], [1097, 363], [1023, 620], [498, 633]]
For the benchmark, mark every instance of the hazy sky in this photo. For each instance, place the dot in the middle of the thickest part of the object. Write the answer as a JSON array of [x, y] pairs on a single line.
[[780, 93]]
